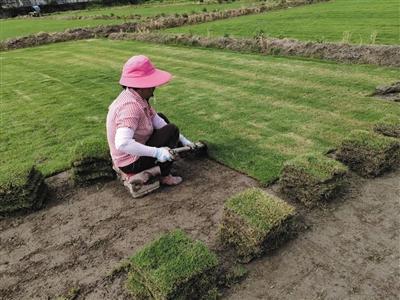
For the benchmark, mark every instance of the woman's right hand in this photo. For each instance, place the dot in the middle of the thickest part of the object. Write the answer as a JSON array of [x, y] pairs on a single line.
[[163, 154]]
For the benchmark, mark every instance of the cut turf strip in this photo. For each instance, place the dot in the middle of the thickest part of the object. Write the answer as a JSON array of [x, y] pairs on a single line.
[[389, 126], [369, 154], [255, 222], [25, 190], [91, 162], [312, 178], [173, 267]]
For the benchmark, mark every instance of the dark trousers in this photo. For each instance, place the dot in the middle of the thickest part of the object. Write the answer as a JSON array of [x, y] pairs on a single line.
[[168, 136]]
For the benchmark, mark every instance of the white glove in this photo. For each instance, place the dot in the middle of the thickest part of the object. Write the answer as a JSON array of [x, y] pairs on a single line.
[[163, 154]]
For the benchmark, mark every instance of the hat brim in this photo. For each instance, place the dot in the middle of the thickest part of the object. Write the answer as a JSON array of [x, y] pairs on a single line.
[[157, 78]]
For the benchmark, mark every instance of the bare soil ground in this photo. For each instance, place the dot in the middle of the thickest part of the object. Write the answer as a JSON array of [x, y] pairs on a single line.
[[350, 251]]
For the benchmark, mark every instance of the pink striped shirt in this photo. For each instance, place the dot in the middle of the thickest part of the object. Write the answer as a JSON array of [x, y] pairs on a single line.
[[129, 110]]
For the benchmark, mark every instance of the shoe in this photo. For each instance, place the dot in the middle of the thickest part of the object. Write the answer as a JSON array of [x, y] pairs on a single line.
[[171, 180]]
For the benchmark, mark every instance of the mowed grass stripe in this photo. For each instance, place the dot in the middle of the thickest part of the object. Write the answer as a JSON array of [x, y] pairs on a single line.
[[302, 88], [335, 86], [305, 68], [252, 125], [354, 21]]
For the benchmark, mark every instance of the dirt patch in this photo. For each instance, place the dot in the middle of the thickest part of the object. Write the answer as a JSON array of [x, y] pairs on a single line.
[[361, 54], [350, 252], [77, 240], [82, 235]]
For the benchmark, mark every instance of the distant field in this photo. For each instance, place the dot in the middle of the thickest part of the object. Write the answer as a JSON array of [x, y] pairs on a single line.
[[147, 10], [52, 23], [255, 111], [355, 21]]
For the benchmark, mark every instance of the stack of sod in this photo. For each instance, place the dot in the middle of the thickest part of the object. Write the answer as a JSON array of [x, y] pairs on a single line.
[[173, 267], [255, 222], [23, 190], [389, 126], [91, 162], [312, 178], [369, 154]]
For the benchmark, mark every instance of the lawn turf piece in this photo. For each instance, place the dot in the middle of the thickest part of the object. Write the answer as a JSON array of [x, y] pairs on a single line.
[[173, 267], [369, 154], [389, 126], [255, 222], [25, 190], [91, 162], [312, 178]]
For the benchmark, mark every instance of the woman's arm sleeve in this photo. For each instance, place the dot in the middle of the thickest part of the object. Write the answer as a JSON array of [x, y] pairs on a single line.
[[124, 142], [184, 140], [158, 122]]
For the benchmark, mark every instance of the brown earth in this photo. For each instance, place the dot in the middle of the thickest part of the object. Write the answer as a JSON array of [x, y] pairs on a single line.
[[77, 240], [352, 250], [381, 55]]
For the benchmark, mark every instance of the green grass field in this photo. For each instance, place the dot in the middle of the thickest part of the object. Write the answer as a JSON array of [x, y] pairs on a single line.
[[354, 21], [255, 111], [147, 10], [20, 27]]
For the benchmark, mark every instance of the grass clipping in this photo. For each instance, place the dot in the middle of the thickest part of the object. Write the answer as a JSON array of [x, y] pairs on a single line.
[[173, 267], [91, 162], [24, 190], [369, 154], [389, 126], [312, 178], [254, 222]]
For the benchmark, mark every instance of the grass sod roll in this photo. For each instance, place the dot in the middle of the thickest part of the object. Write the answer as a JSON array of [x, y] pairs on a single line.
[[91, 162], [312, 178], [255, 222], [173, 267], [368, 153], [389, 126], [91, 150], [24, 190]]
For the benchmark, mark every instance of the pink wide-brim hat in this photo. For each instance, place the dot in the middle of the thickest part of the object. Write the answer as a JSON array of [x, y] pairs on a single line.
[[139, 72]]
